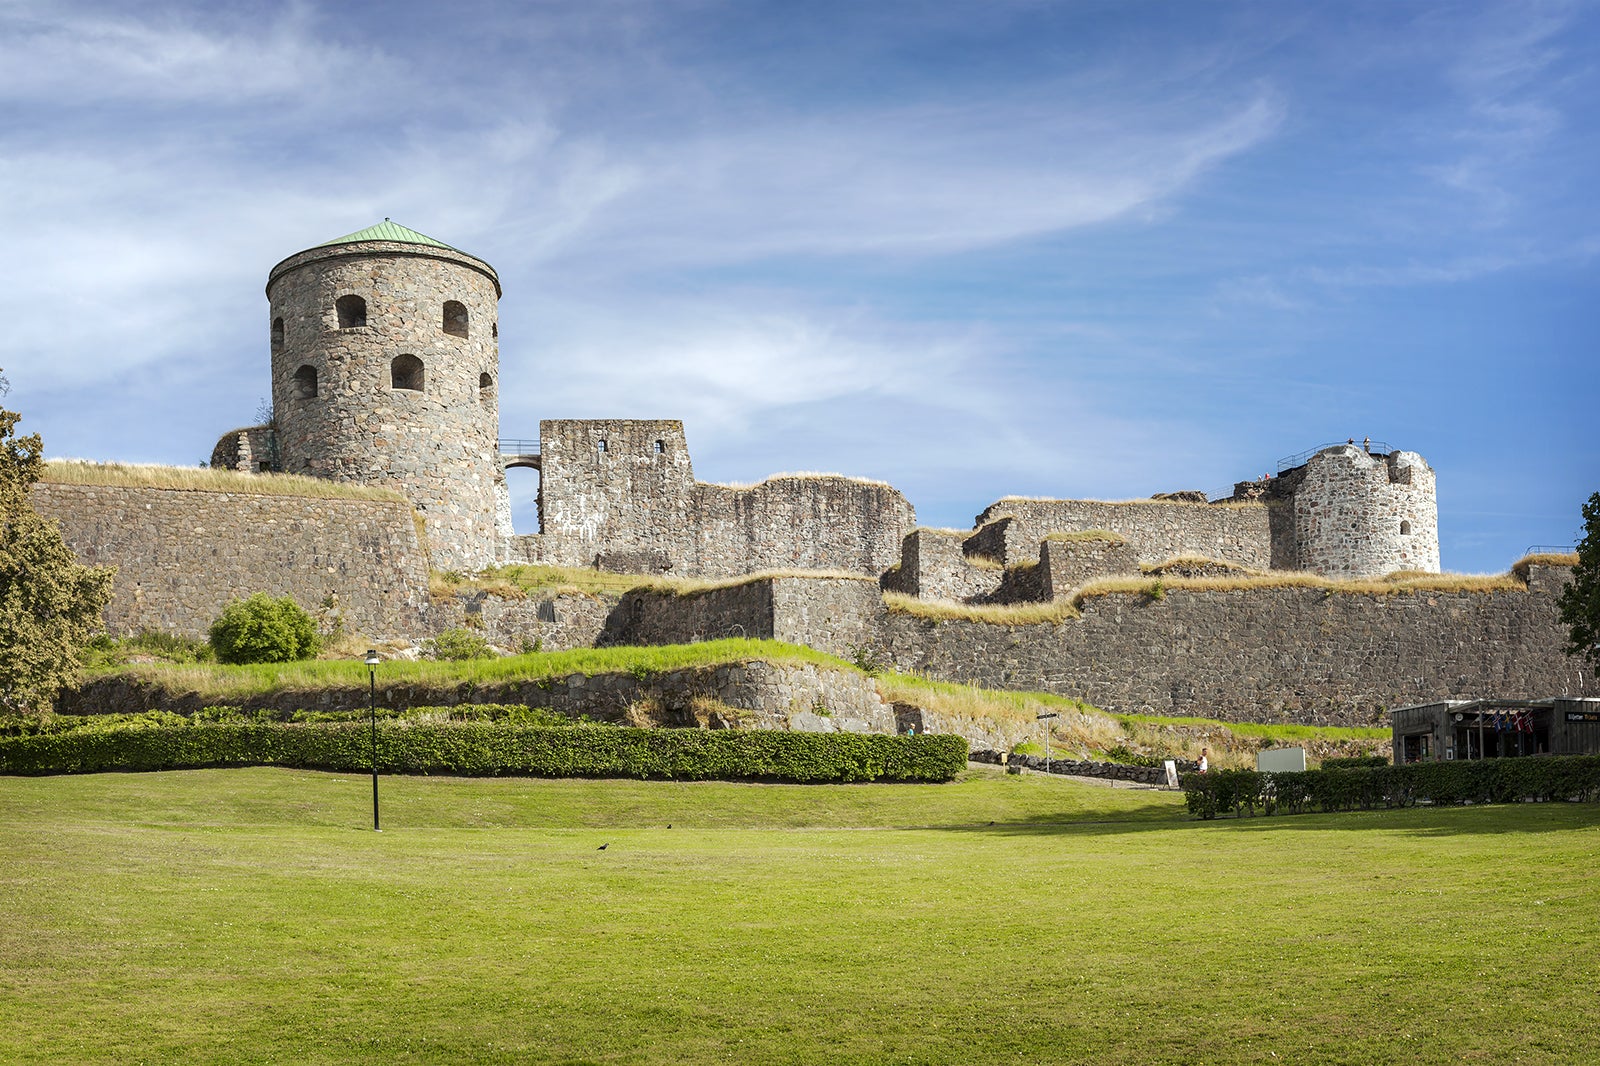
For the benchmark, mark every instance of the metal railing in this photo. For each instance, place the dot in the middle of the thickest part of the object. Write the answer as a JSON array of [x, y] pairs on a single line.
[[1289, 462], [512, 446], [1550, 549]]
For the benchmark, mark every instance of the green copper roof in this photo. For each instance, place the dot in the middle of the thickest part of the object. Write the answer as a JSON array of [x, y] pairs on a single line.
[[388, 231]]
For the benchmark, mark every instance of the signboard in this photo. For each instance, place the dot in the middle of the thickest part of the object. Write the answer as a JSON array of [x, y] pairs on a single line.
[[1583, 716], [1281, 760], [1172, 773]]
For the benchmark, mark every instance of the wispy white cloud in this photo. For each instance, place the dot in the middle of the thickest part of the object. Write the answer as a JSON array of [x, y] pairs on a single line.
[[66, 55]]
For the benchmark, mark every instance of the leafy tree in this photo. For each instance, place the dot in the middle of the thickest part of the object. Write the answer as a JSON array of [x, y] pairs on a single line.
[[1580, 600], [49, 602], [264, 630]]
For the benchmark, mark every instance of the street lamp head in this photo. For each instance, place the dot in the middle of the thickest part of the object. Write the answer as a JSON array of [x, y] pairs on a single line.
[[372, 657]]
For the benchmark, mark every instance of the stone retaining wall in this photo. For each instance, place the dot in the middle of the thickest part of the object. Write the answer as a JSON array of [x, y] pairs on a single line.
[[1263, 655], [748, 695]]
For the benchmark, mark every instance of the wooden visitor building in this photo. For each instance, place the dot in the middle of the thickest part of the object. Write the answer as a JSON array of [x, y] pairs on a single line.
[[1496, 729]]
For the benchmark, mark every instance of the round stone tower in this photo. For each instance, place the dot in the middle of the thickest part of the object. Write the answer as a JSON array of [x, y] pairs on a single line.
[[385, 364], [1363, 515]]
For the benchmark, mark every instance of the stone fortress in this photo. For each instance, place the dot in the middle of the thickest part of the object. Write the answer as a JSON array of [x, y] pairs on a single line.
[[385, 370], [384, 356]]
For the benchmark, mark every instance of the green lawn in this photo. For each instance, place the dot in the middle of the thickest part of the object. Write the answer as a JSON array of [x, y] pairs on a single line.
[[248, 916]]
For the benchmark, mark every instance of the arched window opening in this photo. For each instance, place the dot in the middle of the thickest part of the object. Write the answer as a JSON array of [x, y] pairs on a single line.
[[1405, 528], [352, 311], [455, 318], [494, 330], [601, 447], [661, 446], [406, 373], [485, 387], [277, 335], [305, 383]]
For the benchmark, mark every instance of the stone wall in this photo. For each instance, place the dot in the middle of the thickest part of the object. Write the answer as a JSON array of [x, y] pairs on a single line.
[[621, 493], [1154, 529], [347, 409], [1067, 564], [841, 616], [182, 555], [934, 566], [1264, 655], [548, 623]]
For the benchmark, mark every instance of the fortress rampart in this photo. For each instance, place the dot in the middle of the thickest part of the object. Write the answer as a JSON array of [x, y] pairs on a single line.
[[181, 555]]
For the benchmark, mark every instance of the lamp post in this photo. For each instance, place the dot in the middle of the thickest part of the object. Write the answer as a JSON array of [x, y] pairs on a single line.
[[1045, 717], [372, 712]]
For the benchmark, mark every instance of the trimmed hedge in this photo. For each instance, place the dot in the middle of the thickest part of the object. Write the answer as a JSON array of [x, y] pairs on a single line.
[[477, 749], [1543, 778]]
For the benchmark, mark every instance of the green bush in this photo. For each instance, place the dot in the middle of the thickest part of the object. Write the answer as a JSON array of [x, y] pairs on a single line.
[[264, 630], [1351, 762], [1544, 778], [458, 645], [489, 749]]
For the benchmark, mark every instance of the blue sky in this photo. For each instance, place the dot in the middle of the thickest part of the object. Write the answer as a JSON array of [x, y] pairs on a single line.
[[1087, 249]]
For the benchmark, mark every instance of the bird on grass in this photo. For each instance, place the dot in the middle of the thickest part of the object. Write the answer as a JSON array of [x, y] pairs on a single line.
[[603, 847]]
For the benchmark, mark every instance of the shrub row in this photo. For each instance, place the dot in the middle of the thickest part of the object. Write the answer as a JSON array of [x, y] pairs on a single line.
[[486, 749], [1239, 792]]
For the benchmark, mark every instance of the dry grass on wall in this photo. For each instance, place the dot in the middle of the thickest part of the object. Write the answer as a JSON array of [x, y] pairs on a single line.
[[1393, 584], [1104, 536], [1009, 614], [205, 479], [519, 581]]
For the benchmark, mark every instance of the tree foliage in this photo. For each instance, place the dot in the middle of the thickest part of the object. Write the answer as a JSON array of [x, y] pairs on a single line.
[[264, 630], [49, 602], [1580, 600]]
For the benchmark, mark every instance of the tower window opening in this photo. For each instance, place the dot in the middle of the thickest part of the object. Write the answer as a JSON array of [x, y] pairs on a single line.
[[305, 382], [494, 330], [277, 335], [352, 311], [1405, 528], [601, 446], [485, 387], [455, 318], [661, 446], [406, 373]]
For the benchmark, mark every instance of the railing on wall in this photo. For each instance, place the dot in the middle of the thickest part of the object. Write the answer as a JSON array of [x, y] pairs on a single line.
[[1550, 549], [512, 446], [1289, 462]]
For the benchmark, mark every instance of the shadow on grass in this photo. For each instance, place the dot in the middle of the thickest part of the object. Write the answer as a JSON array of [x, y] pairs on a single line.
[[1483, 819]]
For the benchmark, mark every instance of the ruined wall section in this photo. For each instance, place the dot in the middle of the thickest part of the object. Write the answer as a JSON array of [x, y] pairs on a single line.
[[351, 405], [621, 494], [807, 522], [182, 555], [616, 493], [1360, 515], [1155, 530]]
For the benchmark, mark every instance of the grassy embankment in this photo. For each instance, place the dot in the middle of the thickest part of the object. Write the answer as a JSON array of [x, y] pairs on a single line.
[[1082, 731], [252, 916]]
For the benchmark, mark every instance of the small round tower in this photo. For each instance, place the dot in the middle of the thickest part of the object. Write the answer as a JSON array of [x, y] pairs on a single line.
[[385, 365], [1362, 515]]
